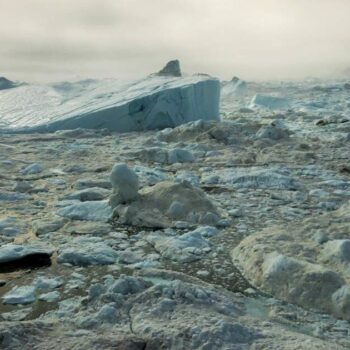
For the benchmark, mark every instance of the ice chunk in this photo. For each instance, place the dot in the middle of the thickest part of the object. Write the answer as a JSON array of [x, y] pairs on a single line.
[[268, 101]]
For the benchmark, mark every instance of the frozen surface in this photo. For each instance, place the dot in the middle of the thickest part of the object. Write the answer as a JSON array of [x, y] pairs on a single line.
[[154, 102]]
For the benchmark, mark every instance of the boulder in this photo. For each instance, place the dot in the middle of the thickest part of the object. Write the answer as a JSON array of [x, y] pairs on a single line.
[[89, 211], [188, 247], [275, 131], [166, 202], [125, 184], [32, 169], [14, 252], [295, 280], [254, 178], [89, 194], [84, 251], [20, 295]]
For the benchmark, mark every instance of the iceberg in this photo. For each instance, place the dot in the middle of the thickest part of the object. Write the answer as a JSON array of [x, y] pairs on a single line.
[[269, 101], [154, 102]]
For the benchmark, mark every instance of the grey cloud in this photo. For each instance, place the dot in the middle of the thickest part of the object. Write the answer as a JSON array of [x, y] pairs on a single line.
[[127, 38]]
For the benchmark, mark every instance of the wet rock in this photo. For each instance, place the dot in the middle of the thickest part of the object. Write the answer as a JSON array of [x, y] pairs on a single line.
[[50, 297], [82, 133], [48, 283], [108, 313], [10, 227], [84, 251], [20, 295], [337, 251], [178, 155], [75, 169], [89, 211], [165, 302], [149, 176], [294, 280], [6, 196], [14, 252], [16, 315], [188, 176], [128, 285], [89, 194], [165, 156], [275, 131], [32, 169], [23, 187], [341, 302], [88, 228], [83, 184], [188, 247], [130, 257], [257, 178], [42, 227]]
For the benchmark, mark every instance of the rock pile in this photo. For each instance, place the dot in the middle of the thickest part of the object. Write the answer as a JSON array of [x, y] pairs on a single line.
[[161, 205]]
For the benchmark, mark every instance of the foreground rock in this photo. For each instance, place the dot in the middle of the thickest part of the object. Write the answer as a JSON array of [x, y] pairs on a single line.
[[26, 253], [165, 203], [148, 312], [89, 211], [125, 184], [318, 278], [20, 295], [86, 251], [282, 181]]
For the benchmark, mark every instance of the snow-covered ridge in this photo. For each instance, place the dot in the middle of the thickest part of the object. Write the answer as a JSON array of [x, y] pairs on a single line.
[[154, 102]]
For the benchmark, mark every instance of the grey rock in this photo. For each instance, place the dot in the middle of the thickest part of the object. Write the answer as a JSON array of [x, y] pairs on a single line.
[[6, 196], [20, 295], [89, 183], [32, 169], [188, 247], [129, 285], [89, 211], [48, 283], [41, 227], [125, 183], [50, 297], [89, 194], [12, 252], [87, 251]]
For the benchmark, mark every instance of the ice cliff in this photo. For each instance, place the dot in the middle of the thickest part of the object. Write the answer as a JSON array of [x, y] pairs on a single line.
[[155, 102]]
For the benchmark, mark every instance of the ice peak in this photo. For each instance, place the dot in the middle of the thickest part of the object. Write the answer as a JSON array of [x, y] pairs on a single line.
[[172, 68]]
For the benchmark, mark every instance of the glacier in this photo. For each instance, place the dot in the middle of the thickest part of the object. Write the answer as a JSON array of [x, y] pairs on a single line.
[[154, 102]]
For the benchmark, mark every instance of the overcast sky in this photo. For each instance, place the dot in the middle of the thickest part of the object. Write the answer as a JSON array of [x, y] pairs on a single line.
[[46, 40]]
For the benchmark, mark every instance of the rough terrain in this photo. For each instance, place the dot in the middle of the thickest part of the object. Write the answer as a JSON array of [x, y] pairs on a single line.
[[253, 254]]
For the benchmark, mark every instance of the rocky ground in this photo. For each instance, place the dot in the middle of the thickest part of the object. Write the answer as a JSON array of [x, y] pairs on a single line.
[[237, 236]]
